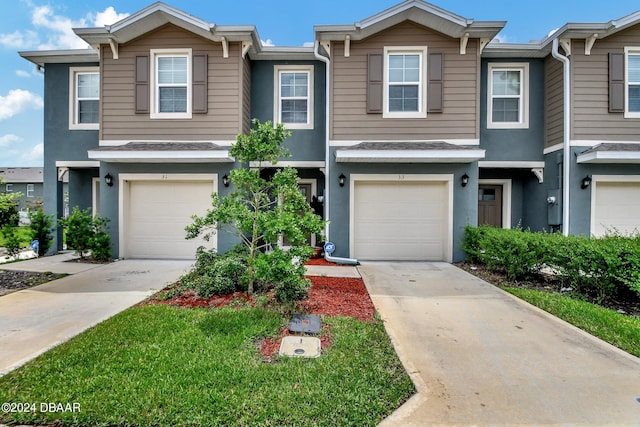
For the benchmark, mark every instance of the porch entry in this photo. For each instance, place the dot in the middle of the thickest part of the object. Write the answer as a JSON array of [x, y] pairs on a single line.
[[490, 205]]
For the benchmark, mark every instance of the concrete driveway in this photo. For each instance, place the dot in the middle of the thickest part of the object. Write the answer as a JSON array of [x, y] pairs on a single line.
[[479, 356], [35, 319]]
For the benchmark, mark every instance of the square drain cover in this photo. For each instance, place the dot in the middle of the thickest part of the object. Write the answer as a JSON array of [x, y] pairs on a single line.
[[305, 323], [300, 346]]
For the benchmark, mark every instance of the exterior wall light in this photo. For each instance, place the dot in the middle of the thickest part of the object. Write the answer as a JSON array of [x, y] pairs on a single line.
[[586, 181], [341, 179], [108, 179], [225, 180], [464, 180]]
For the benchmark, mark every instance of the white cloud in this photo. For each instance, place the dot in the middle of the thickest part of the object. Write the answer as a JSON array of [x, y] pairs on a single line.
[[18, 100], [22, 73], [34, 156], [8, 139], [53, 31], [19, 40], [500, 39], [107, 17], [267, 42]]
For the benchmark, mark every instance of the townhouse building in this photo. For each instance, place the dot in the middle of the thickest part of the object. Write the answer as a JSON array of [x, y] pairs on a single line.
[[406, 126]]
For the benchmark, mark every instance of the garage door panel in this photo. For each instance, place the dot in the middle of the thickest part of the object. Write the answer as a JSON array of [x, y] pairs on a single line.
[[616, 208], [400, 221], [158, 212]]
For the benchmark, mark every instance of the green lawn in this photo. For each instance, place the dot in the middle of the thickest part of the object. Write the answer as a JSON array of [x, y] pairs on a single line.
[[23, 235], [606, 324], [160, 366]]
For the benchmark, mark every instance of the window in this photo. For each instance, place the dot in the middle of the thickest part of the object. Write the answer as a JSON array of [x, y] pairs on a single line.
[[632, 104], [171, 75], [9, 188], [30, 190], [84, 98], [294, 96], [507, 96], [404, 82]]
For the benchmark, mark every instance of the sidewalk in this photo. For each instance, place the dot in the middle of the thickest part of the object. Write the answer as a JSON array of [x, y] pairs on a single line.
[[35, 319]]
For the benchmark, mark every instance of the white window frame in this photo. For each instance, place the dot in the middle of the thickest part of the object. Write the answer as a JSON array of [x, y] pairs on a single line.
[[8, 188], [422, 84], [629, 50], [30, 190], [523, 69], [277, 111], [73, 98], [154, 101]]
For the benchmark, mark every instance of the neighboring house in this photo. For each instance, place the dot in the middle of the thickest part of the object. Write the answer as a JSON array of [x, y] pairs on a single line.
[[27, 181], [408, 125]]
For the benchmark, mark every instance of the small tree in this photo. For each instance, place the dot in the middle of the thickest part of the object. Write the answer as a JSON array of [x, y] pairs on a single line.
[[9, 208], [41, 229], [261, 210], [87, 233]]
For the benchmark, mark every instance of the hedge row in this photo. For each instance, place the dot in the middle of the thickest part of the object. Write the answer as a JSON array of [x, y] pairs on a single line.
[[601, 267]]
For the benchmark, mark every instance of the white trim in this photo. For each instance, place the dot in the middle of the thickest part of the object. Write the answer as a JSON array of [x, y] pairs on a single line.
[[314, 192], [510, 164], [629, 50], [77, 164], [422, 83], [445, 178], [409, 156], [117, 142], [95, 195], [124, 180], [155, 54], [290, 163], [33, 189], [523, 69], [553, 148], [349, 143], [309, 70], [73, 92], [632, 157], [595, 179], [506, 198], [593, 142], [174, 156]]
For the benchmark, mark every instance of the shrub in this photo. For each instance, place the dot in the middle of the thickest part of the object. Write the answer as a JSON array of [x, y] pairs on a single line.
[[284, 271], [12, 241], [87, 233], [101, 241], [215, 274], [206, 286], [292, 289], [41, 229]]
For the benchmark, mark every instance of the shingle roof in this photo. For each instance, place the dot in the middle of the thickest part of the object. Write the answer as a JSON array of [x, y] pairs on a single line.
[[162, 146], [27, 175]]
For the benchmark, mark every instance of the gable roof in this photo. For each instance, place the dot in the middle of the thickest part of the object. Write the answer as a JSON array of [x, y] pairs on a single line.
[[21, 175], [417, 11]]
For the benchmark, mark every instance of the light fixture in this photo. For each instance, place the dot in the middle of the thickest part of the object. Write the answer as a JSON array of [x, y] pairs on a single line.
[[108, 179], [341, 179], [464, 180], [586, 181], [225, 180]]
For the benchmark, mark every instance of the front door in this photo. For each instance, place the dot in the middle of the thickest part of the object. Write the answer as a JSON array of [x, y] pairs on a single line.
[[490, 205]]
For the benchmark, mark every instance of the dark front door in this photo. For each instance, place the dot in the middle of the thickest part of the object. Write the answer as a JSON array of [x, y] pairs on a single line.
[[490, 205]]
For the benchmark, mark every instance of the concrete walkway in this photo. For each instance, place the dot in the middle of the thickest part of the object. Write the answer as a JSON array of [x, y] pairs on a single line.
[[480, 357], [35, 319]]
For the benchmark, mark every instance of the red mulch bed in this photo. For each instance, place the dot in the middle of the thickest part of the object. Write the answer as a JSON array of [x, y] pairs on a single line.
[[320, 261], [328, 296]]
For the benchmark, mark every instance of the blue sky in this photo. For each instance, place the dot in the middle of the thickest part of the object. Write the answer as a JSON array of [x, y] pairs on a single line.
[[46, 24]]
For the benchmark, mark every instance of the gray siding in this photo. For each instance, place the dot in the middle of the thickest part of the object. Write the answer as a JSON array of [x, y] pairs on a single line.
[[224, 118], [515, 144], [459, 120], [304, 144], [591, 119], [553, 102], [60, 143]]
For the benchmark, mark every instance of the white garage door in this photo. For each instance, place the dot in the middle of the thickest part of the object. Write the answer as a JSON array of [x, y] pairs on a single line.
[[401, 221], [616, 207], [157, 213]]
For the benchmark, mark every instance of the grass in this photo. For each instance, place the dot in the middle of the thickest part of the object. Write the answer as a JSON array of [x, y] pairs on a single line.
[[23, 234], [615, 328], [161, 365]]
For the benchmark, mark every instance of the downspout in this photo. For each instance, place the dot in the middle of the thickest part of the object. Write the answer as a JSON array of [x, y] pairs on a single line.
[[566, 161], [316, 52]]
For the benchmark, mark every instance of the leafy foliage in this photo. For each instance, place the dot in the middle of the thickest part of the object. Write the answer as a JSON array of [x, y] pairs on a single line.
[[9, 208], [87, 233], [262, 207], [41, 229], [602, 267], [12, 240]]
